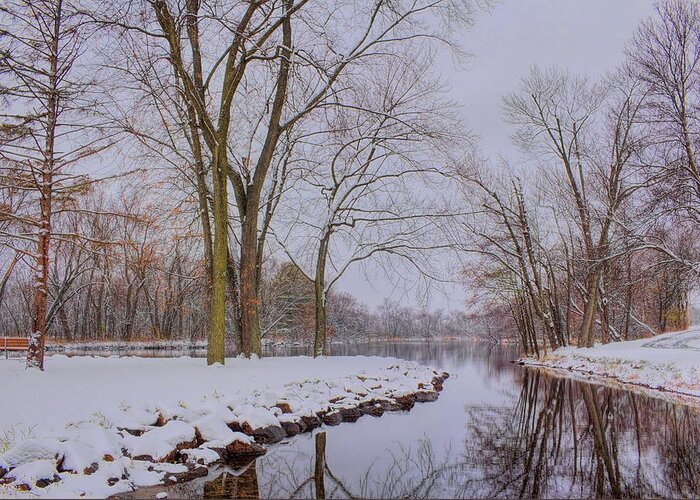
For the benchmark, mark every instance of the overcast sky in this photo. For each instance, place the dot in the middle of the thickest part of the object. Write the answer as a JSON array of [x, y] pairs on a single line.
[[585, 36]]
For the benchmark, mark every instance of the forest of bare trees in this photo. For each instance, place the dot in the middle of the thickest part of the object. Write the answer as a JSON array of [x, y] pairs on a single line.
[[191, 169], [148, 147], [596, 240]]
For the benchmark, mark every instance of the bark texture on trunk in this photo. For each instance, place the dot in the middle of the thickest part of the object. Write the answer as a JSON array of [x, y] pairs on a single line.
[[216, 351], [251, 342], [586, 334], [321, 327]]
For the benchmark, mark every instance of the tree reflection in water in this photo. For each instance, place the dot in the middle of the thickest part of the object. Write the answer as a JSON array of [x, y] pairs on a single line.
[[562, 438], [571, 439], [543, 436], [230, 485], [411, 473]]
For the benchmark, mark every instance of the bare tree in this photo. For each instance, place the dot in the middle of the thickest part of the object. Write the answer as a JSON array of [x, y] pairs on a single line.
[[592, 133], [362, 171], [50, 133], [269, 41], [665, 55]]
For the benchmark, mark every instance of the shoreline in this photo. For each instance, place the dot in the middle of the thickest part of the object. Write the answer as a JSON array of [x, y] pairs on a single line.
[[155, 345], [665, 366], [172, 441], [613, 382]]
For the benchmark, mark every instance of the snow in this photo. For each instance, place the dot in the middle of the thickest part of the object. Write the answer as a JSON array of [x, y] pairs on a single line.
[[256, 417], [100, 425], [160, 442], [78, 456], [201, 455], [668, 362], [141, 477], [73, 390], [32, 472], [30, 450], [102, 441], [214, 430]]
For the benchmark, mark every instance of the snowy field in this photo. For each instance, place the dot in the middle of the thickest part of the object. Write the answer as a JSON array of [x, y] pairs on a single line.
[[668, 362], [62, 432]]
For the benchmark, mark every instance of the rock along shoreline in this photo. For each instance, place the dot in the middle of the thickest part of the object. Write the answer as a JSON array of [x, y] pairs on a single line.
[[175, 444]]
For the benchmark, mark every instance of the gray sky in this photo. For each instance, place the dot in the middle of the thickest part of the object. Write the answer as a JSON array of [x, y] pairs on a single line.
[[584, 36]]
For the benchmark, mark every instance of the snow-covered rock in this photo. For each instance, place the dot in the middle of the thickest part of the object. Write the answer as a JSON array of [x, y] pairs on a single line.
[[213, 430], [31, 473], [79, 457], [255, 417], [161, 443], [105, 442], [31, 450], [201, 456]]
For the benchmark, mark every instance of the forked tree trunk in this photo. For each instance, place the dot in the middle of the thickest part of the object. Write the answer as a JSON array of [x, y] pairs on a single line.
[[586, 334], [250, 324]]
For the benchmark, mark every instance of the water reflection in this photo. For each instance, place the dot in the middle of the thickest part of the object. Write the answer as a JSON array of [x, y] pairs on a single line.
[[563, 439], [543, 437], [560, 439], [231, 485], [497, 431]]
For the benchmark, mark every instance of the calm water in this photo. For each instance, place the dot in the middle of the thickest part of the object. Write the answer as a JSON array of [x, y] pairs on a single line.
[[497, 430]]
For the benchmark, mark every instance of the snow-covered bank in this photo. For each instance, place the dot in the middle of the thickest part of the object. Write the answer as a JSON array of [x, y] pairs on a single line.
[[100, 426], [668, 362]]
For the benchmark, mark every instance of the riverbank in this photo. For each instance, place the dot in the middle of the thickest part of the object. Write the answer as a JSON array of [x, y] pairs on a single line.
[[102, 426], [667, 363], [200, 346]]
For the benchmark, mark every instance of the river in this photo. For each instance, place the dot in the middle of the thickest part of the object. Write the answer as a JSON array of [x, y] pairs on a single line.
[[498, 430]]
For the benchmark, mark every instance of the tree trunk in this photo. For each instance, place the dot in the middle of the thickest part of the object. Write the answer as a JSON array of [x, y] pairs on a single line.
[[65, 325], [604, 318], [37, 339], [6, 276], [628, 301], [586, 335], [216, 349], [250, 325], [320, 341], [235, 293]]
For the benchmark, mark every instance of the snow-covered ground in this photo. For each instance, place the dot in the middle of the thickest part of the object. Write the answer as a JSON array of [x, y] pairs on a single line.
[[62, 432], [668, 362]]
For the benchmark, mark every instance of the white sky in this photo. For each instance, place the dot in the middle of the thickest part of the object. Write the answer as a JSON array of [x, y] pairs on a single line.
[[585, 36]]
